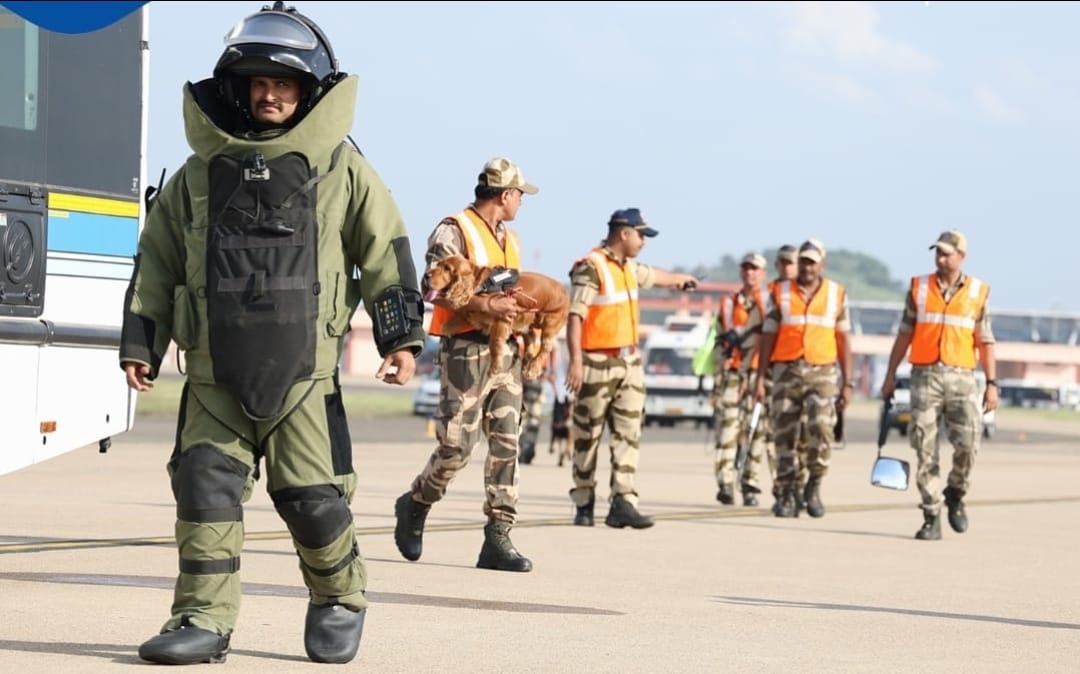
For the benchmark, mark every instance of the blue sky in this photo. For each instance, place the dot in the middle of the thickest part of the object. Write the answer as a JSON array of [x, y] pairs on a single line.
[[734, 127]]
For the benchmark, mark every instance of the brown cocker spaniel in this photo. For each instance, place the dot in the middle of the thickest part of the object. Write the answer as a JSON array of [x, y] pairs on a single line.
[[543, 307]]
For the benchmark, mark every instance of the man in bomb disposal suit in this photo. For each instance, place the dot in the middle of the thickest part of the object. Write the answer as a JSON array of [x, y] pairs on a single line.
[[247, 261]]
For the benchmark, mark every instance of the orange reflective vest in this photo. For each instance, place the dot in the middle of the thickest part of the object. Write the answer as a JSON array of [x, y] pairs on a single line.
[[483, 249], [945, 331], [734, 316], [807, 330], [612, 321]]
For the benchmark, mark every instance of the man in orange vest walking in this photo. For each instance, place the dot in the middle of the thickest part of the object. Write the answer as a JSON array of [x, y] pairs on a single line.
[[475, 404], [738, 326], [804, 338], [605, 369], [946, 321]]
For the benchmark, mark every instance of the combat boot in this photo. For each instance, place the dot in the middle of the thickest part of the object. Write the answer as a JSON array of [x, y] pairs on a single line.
[[931, 528], [812, 498], [726, 495], [527, 447], [332, 632], [409, 530], [584, 515], [498, 552], [185, 645], [787, 506], [624, 514], [957, 515]]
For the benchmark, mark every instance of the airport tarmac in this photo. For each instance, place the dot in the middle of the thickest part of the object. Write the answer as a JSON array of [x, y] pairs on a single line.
[[87, 564]]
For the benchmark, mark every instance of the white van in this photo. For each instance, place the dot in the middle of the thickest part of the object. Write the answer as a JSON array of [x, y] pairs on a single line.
[[900, 413], [673, 392]]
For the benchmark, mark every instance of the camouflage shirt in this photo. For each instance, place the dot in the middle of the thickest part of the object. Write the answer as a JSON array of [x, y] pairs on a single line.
[[772, 312], [447, 239], [585, 281], [982, 323]]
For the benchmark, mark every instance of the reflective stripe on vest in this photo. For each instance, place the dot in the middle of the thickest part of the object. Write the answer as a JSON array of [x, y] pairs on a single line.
[[945, 331], [612, 321], [807, 331], [483, 249]]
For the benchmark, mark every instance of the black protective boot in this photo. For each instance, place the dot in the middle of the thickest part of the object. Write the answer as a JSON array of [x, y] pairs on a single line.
[[931, 528], [527, 446], [332, 632], [749, 496], [957, 516], [725, 494], [584, 515], [186, 645], [409, 530], [787, 506], [624, 514], [812, 498], [498, 552]]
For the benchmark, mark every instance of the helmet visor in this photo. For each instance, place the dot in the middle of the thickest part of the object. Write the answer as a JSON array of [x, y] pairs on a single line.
[[272, 28]]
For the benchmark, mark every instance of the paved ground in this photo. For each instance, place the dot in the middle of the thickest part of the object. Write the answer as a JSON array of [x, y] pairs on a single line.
[[87, 564]]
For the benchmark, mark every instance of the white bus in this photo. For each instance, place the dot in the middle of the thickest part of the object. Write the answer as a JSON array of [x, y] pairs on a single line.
[[673, 393], [72, 167]]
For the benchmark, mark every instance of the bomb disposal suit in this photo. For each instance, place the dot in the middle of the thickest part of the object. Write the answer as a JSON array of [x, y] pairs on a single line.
[[253, 259]]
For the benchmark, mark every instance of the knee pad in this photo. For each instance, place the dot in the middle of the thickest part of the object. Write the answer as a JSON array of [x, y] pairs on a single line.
[[316, 516], [208, 485]]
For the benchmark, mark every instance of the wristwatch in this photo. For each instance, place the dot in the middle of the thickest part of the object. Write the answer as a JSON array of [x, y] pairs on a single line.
[[849, 385], [992, 382]]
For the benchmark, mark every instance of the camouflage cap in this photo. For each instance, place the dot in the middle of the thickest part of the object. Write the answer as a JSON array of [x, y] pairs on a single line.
[[812, 250], [503, 173], [631, 217], [788, 253], [951, 241], [756, 260]]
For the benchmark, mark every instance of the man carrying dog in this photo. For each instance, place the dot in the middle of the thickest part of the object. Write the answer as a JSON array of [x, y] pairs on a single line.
[[475, 403], [946, 320], [605, 370]]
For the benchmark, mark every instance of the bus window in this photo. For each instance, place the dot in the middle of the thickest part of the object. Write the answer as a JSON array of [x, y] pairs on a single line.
[[19, 76]]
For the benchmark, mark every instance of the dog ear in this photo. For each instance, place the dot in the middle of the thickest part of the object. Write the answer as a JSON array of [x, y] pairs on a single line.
[[461, 286]]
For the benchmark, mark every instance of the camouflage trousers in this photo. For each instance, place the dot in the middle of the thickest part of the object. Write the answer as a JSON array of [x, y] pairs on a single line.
[[612, 394], [532, 405], [949, 397], [732, 425], [474, 404], [802, 389]]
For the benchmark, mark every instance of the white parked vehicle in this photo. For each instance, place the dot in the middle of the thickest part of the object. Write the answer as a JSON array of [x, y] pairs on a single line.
[[673, 392]]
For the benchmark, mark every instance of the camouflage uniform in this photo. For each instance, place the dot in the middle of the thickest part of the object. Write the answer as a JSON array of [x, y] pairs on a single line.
[[473, 404], [800, 388], [612, 392], [951, 395], [532, 410], [732, 420]]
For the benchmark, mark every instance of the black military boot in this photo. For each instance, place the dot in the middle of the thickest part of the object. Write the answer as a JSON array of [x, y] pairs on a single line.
[[527, 446], [624, 514], [332, 632], [787, 506], [409, 530], [955, 504], [749, 496], [726, 494], [931, 528], [185, 645], [812, 498], [498, 552], [584, 515]]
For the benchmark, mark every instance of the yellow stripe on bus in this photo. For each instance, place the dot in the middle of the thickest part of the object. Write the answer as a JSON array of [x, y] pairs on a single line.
[[99, 205]]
